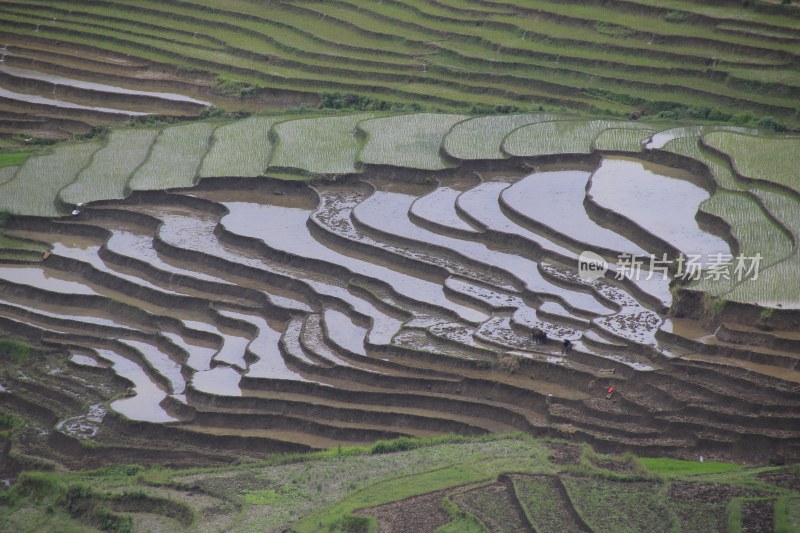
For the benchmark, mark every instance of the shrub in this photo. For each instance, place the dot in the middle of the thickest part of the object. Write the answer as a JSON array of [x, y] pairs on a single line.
[[770, 123], [352, 524], [14, 350], [397, 445]]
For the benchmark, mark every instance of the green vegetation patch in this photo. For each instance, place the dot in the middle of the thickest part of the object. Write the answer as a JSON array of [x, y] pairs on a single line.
[[174, 158], [410, 141], [618, 506], [494, 506], [769, 159], [7, 173], [667, 467], [242, 149], [111, 167], [15, 350], [622, 139], [544, 502], [480, 138], [561, 137], [36, 184], [327, 145], [8, 159]]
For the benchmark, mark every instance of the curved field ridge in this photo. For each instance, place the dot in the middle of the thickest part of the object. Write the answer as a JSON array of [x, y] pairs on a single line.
[[563, 137], [241, 149], [106, 177], [680, 58], [409, 141], [480, 138], [743, 210], [34, 187], [255, 316], [769, 159], [174, 158], [319, 145]]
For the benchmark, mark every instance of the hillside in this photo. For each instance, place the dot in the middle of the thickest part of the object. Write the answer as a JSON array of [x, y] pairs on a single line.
[[496, 484]]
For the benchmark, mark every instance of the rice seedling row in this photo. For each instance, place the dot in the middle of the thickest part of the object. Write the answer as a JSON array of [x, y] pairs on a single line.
[[480, 138], [622, 139], [174, 158], [411, 141], [560, 137], [111, 167], [775, 160], [33, 189], [319, 145], [242, 148]]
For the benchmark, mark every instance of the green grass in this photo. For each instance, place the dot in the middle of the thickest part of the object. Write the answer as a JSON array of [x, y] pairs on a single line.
[[174, 158], [111, 167], [410, 141], [608, 505], [670, 468], [14, 350], [320, 491], [8, 159], [787, 514], [319, 145]]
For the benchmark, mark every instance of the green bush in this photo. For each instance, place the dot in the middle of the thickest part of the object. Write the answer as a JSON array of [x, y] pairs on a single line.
[[352, 524], [14, 350], [397, 445]]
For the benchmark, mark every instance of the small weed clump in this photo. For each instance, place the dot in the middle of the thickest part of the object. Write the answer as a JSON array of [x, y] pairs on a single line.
[[15, 350], [509, 364]]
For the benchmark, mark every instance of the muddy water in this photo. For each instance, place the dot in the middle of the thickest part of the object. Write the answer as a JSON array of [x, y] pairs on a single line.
[[84, 360], [269, 363], [387, 211], [161, 363], [139, 246], [60, 80], [284, 229], [483, 205], [438, 207], [234, 343], [145, 405], [40, 100], [64, 313], [45, 279], [90, 256], [555, 200], [343, 332], [658, 199], [222, 381], [199, 357]]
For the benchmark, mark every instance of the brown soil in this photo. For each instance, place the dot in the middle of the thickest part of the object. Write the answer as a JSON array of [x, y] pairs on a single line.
[[564, 454], [496, 506], [758, 517], [786, 479], [418, 514]]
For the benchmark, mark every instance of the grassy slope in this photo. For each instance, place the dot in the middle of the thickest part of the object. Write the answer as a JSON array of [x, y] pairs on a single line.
[[322, 488]]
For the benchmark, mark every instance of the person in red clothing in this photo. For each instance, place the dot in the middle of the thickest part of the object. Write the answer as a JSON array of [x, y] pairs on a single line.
[[610, 392]]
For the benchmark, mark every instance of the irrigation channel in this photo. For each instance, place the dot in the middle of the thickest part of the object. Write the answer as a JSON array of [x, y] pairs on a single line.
[[258, 315]]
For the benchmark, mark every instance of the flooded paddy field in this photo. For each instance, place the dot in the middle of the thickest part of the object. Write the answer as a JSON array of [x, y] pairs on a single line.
[[243, 317]]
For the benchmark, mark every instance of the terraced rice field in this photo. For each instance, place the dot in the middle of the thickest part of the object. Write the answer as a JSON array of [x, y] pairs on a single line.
[[175, 58], [263, 315]]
